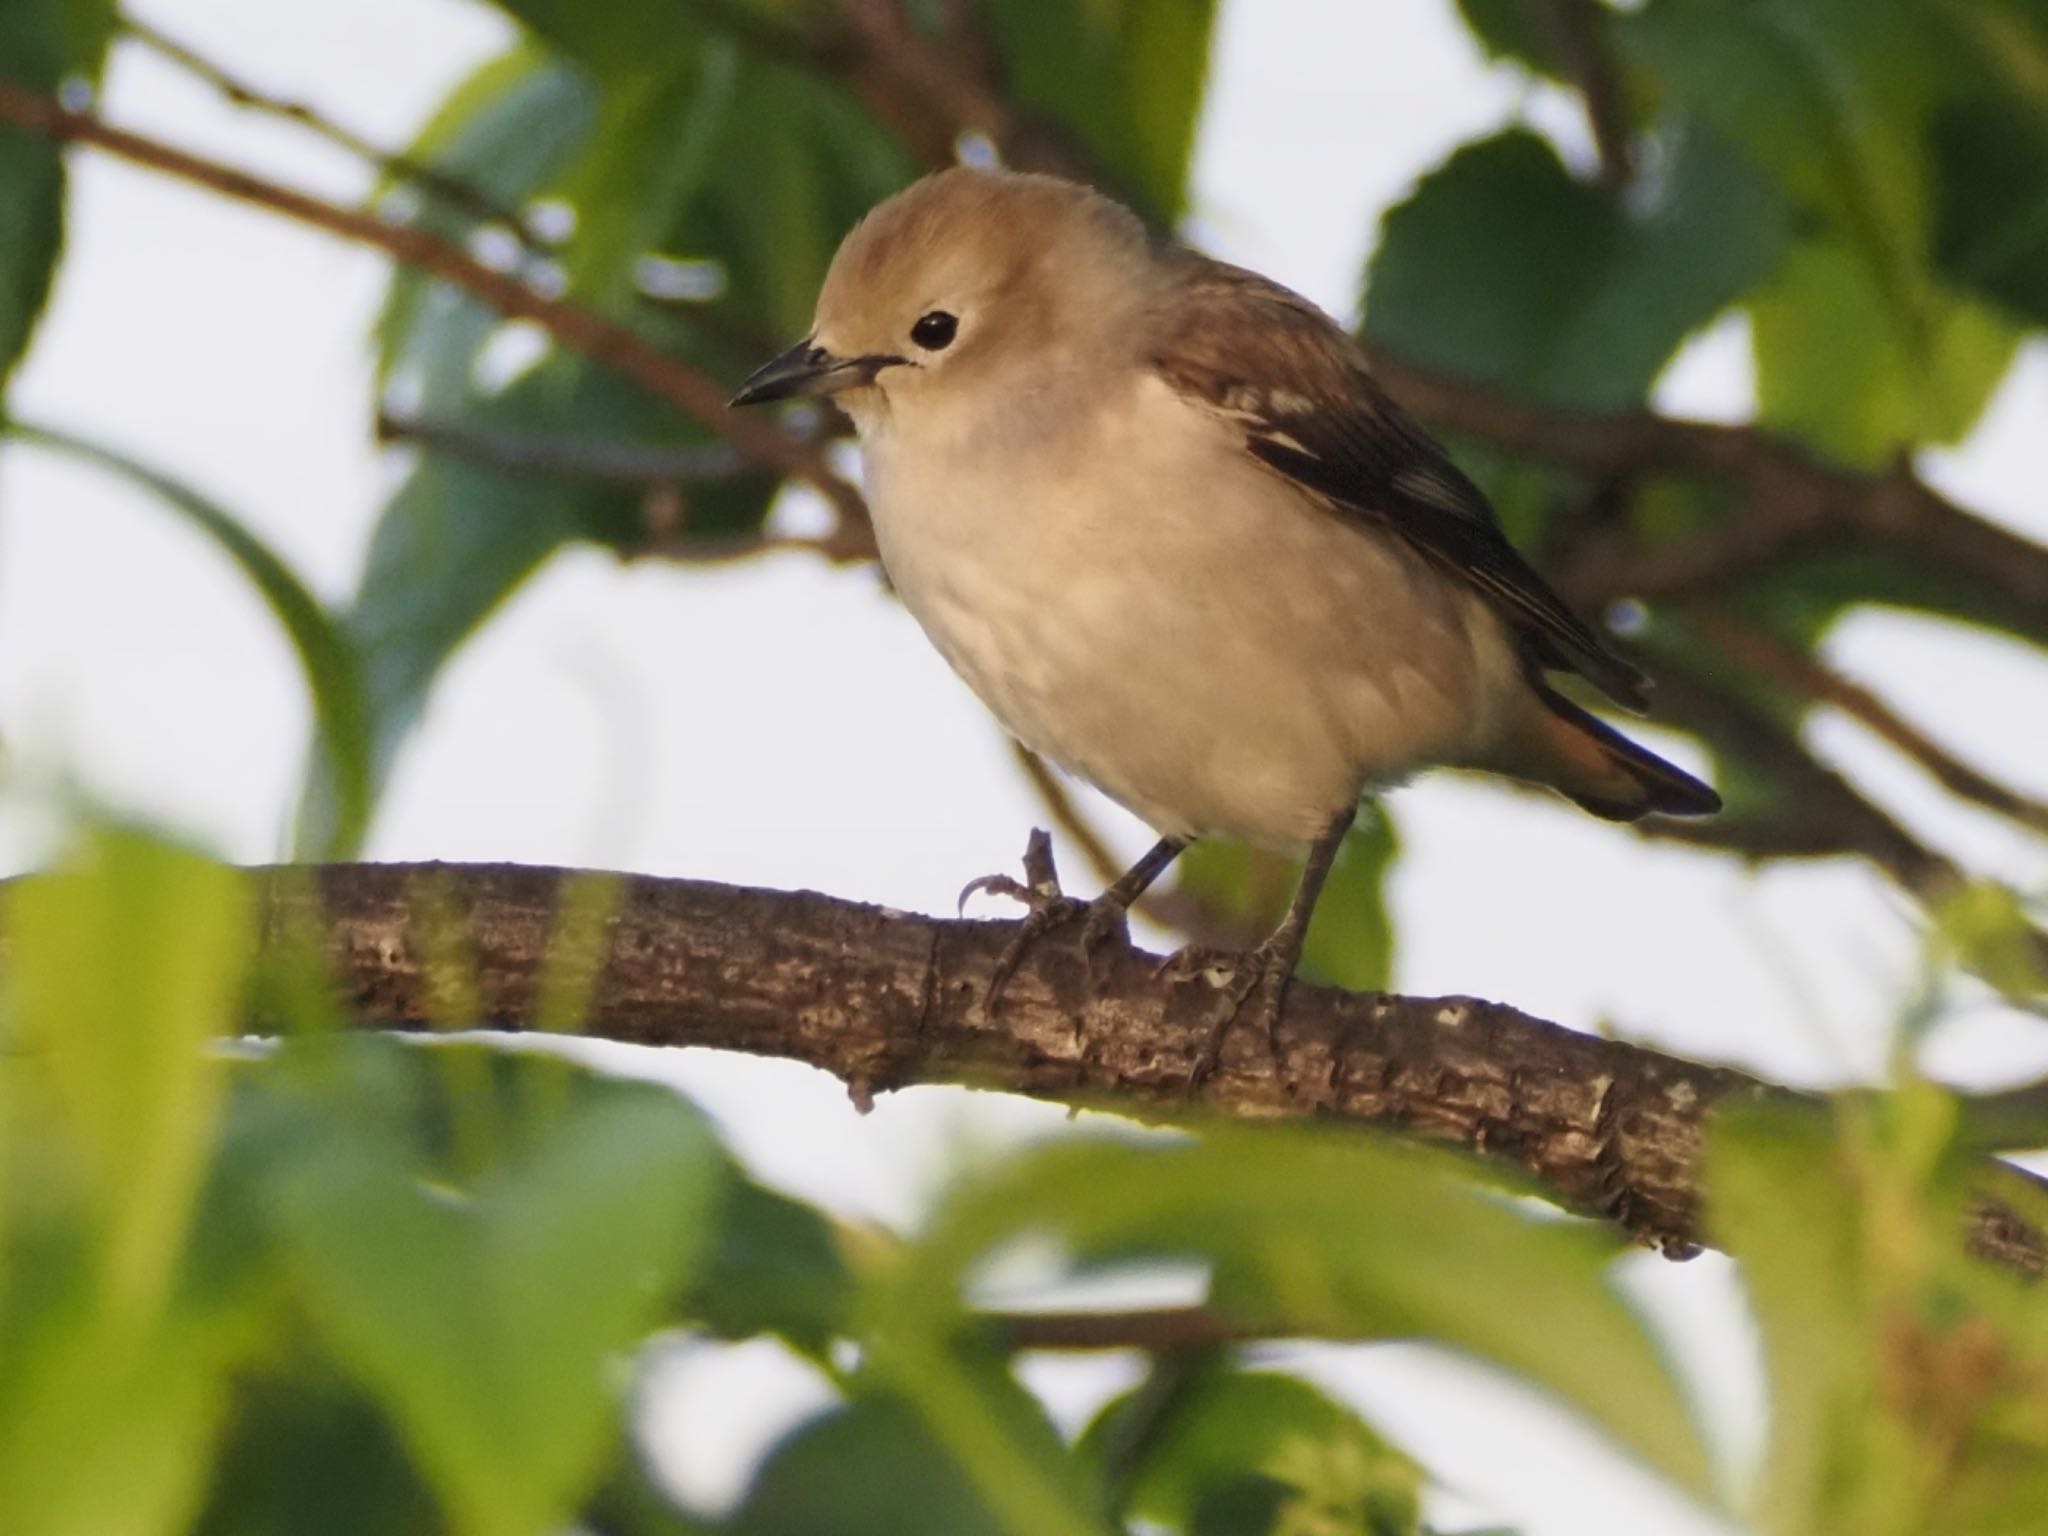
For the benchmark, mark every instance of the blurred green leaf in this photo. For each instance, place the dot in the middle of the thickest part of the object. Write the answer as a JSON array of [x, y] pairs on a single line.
[[1294, 1444], [1831, 97], [1515, 31], [1504, 268], [994, 1431], [1780, 1210], [304, 1454], [1351, 936], [104, 1425], [1986, 929], [327, 658], [485, 1321], [749, 166], [1990, 152], [1125, 77], [795, 165], [700, 155], [1337, 1237], [620, 36], [125, 964], [508, 129], [650, 153], [1909, 1379], [774, 1267], [42, 43], [457, 538], [868, 1468], [1831, 371]]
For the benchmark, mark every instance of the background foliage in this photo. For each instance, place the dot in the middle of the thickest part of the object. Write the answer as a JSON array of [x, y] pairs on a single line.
[[348, 1284]]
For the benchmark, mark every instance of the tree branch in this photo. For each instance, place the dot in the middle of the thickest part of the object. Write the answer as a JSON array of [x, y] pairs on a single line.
[[1577, 30], [1787, 666], [886, 999], [1794, 497], [689, 389], [452, 190]]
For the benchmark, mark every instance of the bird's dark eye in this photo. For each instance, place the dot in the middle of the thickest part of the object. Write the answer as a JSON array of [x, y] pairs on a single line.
[[934, 331]]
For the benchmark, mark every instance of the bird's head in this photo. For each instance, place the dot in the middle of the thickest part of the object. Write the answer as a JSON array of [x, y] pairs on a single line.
[[970, 285]]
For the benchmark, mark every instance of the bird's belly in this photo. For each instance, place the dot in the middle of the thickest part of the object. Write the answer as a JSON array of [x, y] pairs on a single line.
[[1245, 666]]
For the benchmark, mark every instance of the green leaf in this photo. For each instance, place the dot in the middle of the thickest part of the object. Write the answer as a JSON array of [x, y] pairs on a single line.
[[1909, 1379], [326, 657], [1831, 370], [775, 1267], [993, 1430], [507, 130], [789, 164], [653, 148], [1986, 929], [1125, 77], [126, 963], [484, 1322], [1517, 32], [1314, 1460], [869, 1468], [1990, 151], [1504, 268], [41, 43], [84, 1393], [457, 538], [1336, 1237], [621, 37], [1831, 97], [304, 1454], [1351, 936], [1777, 1203]]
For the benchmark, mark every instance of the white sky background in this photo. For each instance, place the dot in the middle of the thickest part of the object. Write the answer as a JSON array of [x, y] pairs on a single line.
[[784, 724]]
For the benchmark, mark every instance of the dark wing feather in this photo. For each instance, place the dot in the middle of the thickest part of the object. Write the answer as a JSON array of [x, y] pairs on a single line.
[[1264, 356]]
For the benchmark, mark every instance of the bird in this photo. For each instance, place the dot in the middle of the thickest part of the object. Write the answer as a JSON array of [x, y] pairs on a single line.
[[1159, 515]]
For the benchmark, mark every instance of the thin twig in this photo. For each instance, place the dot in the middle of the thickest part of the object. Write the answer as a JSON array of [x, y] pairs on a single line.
[[895, 70], [1156, 1331], [689, 389], [396, 167], [1577, 30], [1795, 497], [1788, 667], [1820, 811]]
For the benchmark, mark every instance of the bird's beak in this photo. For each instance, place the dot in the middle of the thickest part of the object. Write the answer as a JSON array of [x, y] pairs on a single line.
[[808, 369]]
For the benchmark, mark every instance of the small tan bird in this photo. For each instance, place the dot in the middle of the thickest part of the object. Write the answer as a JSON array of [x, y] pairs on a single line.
[[1157, 514]]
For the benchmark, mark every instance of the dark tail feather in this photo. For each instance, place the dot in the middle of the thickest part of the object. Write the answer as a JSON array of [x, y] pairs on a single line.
[[1592, 764]]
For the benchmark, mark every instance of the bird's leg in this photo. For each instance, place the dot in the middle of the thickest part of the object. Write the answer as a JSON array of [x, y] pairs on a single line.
[[1103, 919], [1267, 970]]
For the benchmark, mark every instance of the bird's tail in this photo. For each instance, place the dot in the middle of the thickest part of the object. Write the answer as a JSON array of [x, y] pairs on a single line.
[[1583, 758]]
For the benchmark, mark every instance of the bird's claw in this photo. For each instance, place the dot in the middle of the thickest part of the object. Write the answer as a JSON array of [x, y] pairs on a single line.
[[1103, 921], [1041, 883], [1103, 925], [1264, 972], [1046, 914]]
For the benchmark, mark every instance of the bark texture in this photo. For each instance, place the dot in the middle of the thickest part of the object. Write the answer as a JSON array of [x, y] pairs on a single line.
[[886, 999]]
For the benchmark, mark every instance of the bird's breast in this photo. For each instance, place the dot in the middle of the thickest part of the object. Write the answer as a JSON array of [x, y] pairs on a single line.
[[1139, 600]]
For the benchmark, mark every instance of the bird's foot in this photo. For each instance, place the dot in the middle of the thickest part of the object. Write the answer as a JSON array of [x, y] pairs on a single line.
[[1103, 921], [1255, 980]]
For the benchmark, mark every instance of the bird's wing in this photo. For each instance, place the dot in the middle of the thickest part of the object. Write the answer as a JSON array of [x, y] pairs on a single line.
[[1280, 370]]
